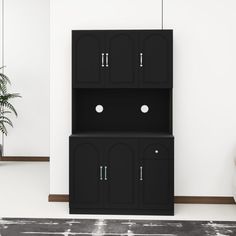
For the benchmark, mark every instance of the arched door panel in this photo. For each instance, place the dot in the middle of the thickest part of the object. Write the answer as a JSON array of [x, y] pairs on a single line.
[[156, 50], [121, 59], [87, 49], [85, 184], [121, 183]]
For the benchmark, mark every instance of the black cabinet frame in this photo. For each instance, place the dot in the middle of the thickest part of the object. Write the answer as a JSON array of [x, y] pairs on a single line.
[[121, 159]]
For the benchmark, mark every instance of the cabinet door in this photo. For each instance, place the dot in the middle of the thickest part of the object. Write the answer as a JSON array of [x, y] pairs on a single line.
[[121, 174], [121, 58], [85, 183], [155, 59], [88, 59], [156, 171]]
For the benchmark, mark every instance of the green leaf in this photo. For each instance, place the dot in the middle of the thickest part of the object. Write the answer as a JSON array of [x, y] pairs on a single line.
[[3, 128], [8, 105], [4, 79], [5, 112], [6, 120], [5, 105]]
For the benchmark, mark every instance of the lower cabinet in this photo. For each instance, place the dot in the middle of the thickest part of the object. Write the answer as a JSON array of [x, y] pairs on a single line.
[[157, 165], [121, 175]]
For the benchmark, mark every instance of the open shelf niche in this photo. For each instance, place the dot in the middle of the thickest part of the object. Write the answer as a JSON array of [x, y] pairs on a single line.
[[122, 110]]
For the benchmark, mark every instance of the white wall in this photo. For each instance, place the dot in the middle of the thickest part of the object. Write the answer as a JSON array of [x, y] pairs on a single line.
[[204, 95], [204, 83], [1, 5], [27, 51]]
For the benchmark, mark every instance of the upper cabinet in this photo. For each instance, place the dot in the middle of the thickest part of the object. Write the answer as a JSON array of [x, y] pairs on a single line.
[[122, 59], [87, 48], [155, 59]]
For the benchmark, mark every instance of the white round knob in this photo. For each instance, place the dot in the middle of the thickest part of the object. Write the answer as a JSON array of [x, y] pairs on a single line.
[[99, 108], [156, 151], [144, 108]]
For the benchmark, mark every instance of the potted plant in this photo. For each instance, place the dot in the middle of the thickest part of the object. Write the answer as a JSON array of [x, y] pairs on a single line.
[[6, 107]]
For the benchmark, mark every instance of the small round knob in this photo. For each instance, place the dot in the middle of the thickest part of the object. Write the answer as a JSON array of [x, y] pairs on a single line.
[[144, 108], [99, 109], [156, 151]]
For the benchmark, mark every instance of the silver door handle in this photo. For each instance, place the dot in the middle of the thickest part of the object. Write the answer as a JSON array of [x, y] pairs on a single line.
[[141, 173], [141, 59], [105, 173], [100, 172], [107, 59], [102, 59]]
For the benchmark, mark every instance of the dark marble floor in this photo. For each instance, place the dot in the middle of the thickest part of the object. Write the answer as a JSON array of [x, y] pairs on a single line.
[[67, 227]]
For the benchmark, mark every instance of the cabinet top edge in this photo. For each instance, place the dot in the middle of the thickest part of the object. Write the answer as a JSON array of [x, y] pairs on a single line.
[[122, 135], [161, 30]]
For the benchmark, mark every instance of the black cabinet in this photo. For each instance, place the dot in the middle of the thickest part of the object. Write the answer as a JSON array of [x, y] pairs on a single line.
[[132, 175], [157, 168], [122, 59], [121, 151]]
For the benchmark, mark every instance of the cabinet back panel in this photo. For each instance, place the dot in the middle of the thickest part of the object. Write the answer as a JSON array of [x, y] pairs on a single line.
[[121, 110]]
